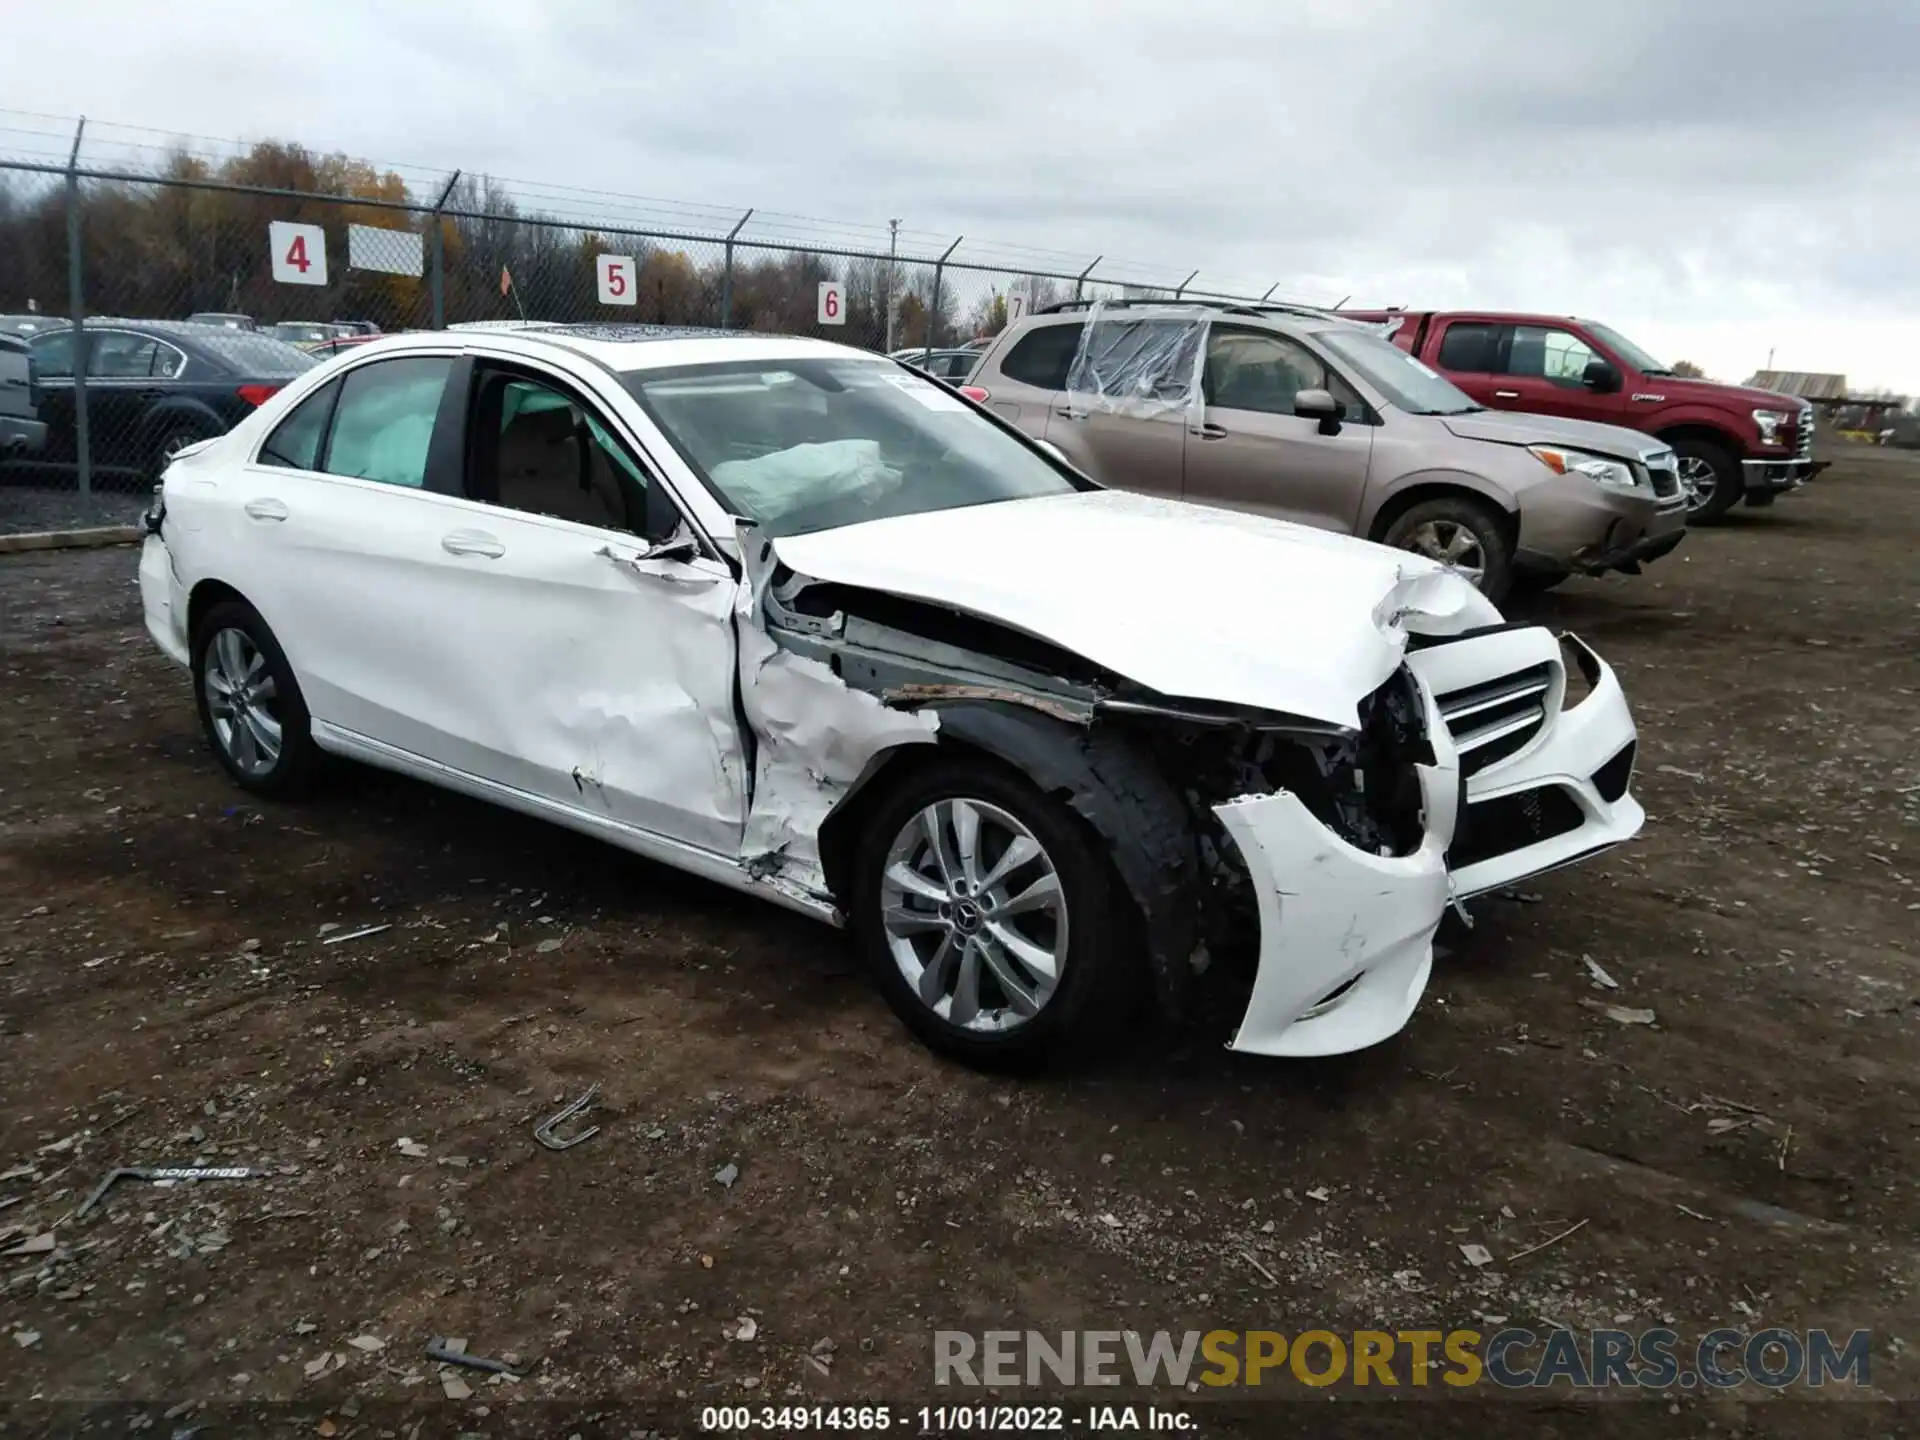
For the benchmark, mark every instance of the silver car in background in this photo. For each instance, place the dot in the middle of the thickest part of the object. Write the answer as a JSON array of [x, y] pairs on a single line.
[[1310, 418]]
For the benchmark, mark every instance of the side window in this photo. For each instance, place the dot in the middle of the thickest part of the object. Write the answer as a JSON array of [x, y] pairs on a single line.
[[295, 441], [1471, 349], [118, 355], [1540, 353], [1042, 356], [168, 362], [1247, 370], [536, 448], [52, 357], [384, 420]]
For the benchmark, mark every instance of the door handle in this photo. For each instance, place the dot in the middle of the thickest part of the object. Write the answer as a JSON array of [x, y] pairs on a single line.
[[266, 508], [1209, 431], [472, 542], [1506, 394], [1065, 412]]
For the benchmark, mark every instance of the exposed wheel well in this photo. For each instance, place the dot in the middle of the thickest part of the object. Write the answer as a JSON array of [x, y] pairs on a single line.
[[205, 596], [1439, 490]]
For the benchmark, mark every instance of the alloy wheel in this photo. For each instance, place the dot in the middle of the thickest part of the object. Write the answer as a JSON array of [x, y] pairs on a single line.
[[1698, 480], [242, 702], [1453, 545], [974, 915]]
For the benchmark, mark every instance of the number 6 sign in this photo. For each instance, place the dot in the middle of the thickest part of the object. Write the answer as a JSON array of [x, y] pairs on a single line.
[[833, 304], [298, 252], [616, 279]]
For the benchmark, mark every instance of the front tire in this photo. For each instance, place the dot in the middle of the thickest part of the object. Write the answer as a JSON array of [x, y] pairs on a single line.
[[1710, 476], [1467, 536], [250, 704], [992, 920]]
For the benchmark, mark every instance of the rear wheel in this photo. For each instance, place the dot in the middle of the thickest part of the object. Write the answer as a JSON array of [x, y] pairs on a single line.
[[1467, 536], [991, 918], [250, 704], [1709, 478]]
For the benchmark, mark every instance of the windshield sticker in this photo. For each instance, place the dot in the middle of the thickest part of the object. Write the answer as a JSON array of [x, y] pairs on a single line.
[[926, 392]]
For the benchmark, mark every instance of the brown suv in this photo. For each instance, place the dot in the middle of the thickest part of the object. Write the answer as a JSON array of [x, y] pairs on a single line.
[[1308, 417]]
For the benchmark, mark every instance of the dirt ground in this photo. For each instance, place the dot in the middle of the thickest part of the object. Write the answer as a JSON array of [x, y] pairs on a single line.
[[171, 993]]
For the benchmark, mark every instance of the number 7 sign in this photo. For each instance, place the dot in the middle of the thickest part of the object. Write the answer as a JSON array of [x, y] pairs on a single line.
[[616, 279], [298, 252]]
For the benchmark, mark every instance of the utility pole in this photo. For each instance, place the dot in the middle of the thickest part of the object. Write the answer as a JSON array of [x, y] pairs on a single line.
[[893, 248]]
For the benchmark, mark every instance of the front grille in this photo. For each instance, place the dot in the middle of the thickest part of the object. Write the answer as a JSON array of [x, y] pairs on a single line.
[[1489, 722], [1611, 778], [1513, 822], [1804, 451]]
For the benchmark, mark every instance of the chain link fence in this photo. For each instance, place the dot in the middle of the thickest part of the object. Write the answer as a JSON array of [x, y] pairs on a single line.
[[201, 293]]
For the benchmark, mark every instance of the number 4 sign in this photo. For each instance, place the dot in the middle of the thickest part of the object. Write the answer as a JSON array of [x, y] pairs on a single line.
[[299, 253], [833, 304], [616, 279]]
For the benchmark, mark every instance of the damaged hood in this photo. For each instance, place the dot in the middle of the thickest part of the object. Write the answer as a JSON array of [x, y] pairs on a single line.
[[1195, 603], [1505, 427]]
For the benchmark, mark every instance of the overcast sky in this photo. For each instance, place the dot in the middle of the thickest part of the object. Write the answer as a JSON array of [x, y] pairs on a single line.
[[1716, 180]]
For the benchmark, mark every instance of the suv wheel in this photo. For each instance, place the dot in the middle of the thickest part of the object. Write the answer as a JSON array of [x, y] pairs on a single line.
[[250, 705], [991, 918], [1465, 535], [1710, 479]]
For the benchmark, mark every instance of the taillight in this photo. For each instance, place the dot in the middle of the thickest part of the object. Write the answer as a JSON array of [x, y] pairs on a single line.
[[256, 395], [974, 393]]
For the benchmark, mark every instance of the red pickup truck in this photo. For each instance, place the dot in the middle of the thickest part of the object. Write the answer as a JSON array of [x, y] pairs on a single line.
[[1733, 443]]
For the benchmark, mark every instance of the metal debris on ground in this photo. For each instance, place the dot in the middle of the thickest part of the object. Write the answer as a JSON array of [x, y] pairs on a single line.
[[410, 1148], [164, 1173], [355, 934], [33, 1245], [727, 1174], [454, 1352], [1477, 1255], [1600, 977], [544, 1131]]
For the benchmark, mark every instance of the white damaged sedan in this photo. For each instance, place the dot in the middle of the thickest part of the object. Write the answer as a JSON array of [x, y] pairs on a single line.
[[791, 617]]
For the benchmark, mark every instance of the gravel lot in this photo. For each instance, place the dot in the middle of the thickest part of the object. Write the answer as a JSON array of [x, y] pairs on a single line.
[[169, 994]]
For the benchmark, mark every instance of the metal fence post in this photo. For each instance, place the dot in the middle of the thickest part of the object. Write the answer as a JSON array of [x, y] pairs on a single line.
[[1270, 289], [726, 275], [1183, 285], [438, 284], [933, 311], [1081, 280], [77, 303], [893, 251]]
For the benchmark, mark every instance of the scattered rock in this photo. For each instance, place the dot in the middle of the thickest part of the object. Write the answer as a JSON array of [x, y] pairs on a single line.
[[1477, 1255], [1619, 1014], [1320, 1193], [547, 947], [745, 1328], [1600, 977], [454, 1388], [367, 1343], [26, 1339], [412, 1149], [727, 1174]]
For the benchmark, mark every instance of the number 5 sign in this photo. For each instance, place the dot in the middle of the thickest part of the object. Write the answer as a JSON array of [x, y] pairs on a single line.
[[616, 279], [833, 304], [299, 253]]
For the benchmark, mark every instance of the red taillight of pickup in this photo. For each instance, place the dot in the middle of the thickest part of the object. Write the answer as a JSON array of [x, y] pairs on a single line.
[[974, 393], [257, 395]]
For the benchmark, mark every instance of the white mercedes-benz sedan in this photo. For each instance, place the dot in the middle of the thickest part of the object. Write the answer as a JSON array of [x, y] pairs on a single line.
[[802, 621]]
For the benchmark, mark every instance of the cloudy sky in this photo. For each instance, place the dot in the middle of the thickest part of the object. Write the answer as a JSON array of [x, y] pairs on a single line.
[[1716, 178]]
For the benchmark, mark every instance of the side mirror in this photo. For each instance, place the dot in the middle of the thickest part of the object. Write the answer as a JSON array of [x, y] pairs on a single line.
[[1321, 405], [1600, 377]]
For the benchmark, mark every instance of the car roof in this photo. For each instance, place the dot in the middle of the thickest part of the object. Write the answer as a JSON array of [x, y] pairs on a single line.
[[650, 347]]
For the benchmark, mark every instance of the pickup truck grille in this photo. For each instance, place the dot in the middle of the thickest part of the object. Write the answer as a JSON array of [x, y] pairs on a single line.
[[1805, 449], [1491, 721]]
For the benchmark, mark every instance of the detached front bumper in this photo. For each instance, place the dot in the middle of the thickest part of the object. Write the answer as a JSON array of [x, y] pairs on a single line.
[[1547, 782], [1346, 938]]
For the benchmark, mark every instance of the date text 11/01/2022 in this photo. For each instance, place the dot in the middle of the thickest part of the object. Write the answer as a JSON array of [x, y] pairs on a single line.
[[948, 1419]]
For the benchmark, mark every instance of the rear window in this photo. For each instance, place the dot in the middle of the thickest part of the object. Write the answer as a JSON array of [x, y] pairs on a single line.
[[1043, 355], [253, 356], [1470, 348]]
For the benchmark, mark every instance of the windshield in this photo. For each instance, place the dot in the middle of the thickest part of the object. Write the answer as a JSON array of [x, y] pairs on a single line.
[[1407, 384], [1637, 358], [803, 445]]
